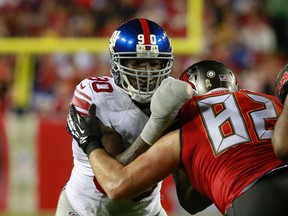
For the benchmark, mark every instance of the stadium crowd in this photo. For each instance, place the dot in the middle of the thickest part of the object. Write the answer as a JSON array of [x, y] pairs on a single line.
[[251, 37]]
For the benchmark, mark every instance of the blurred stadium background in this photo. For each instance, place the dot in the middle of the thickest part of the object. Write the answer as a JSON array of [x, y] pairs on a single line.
[[48, 46]]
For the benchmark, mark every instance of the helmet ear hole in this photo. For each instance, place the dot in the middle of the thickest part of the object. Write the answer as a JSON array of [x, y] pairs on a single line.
[[196, 77]]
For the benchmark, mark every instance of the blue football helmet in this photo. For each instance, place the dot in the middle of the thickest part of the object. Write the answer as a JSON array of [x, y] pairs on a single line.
[[141, 57]]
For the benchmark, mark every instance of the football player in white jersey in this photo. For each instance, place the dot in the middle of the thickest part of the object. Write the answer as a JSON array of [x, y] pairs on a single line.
[[141, 58]]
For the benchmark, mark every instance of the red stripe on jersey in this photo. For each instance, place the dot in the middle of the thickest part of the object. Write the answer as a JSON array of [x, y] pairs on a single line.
[[80, 103], [82, 114], [146, 31], [98, 186], [82, 94]]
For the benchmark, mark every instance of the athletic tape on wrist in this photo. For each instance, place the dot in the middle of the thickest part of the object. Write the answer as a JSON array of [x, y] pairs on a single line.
[[92, 145]]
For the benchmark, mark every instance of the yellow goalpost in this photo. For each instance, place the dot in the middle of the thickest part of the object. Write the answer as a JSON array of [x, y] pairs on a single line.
[[25, 48]]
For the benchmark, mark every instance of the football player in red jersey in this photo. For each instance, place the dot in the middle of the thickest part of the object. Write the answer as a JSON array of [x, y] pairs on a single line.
[[223, 152]]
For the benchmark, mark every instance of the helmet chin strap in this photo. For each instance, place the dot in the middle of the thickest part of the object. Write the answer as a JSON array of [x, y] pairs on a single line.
[[141, 98], [137, 97], [133, 92]]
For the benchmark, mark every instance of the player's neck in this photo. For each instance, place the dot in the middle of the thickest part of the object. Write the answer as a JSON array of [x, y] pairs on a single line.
[[144, 107]]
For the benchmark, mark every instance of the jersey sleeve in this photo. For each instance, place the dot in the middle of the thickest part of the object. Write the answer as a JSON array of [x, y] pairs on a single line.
[[91, 90], [82, 97]]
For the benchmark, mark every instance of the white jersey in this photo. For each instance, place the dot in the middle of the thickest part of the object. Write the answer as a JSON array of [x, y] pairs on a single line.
[[116, 110]]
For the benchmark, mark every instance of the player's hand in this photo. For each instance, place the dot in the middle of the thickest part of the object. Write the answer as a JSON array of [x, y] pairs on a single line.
[[281, 84], [84, 129], [165, 104]]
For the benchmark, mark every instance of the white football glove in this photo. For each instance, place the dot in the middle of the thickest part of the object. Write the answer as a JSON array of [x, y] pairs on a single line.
[[165, 104]]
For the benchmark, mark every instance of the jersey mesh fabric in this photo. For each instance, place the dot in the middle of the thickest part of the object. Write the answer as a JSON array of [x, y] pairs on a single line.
[[226, 142], [115, 109]]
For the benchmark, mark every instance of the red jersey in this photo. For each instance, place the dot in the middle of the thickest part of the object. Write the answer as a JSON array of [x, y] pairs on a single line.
[[226, 142]]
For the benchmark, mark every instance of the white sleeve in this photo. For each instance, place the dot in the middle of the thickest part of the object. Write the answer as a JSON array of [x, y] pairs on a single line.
[[165, 104]]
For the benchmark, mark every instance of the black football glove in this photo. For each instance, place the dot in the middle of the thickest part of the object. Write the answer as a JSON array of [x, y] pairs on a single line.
[[84, 129], [281, 84]]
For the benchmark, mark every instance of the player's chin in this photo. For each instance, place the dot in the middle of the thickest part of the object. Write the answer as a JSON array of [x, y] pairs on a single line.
[[149, 89]]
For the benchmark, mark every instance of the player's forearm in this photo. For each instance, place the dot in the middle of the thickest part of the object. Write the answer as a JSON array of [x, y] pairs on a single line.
[[107, 170], [137, 148], [112, 176], [127, 182]]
